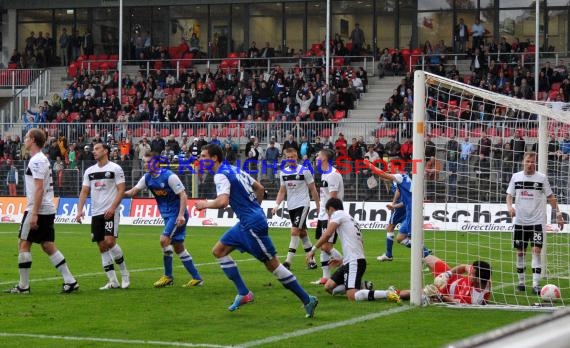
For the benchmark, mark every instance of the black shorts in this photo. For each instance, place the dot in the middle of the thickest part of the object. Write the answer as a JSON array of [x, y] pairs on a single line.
[[350, 274], [321, 228], [525, 234], [101, 227], [44, 233], [298, 217]]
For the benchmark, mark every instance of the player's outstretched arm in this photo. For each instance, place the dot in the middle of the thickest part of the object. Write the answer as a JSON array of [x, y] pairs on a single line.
[[381, 173], [132, 192], [220, 202]]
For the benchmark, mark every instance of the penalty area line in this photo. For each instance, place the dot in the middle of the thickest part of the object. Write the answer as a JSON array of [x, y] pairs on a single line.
[[330, 326], [111, 340]]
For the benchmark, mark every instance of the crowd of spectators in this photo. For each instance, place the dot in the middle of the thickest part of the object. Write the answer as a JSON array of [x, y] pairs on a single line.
[[493, 137], [299, 94]]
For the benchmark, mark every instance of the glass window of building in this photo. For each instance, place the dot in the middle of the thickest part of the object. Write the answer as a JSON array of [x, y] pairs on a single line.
[[294, 24], [189, 22], [316, 26], [558, 30], [220, 29], [265, 24], [237, 34]]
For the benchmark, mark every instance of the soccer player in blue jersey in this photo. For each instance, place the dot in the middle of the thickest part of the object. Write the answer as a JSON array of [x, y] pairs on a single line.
[[171, 199], [396, 217], [404, 185], [244, 194]]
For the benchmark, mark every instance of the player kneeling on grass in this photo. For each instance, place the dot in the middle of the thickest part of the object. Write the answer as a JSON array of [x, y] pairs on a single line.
[[463, 284], [348, 277], [171, 199]]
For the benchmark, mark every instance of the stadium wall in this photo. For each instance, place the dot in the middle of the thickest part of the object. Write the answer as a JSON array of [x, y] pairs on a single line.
[[370, 215]]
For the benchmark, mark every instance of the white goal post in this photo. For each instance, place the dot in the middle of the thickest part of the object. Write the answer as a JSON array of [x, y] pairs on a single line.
[[473, 131]]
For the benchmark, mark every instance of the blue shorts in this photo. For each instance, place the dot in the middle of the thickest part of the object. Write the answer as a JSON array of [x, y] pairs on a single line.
[[397, 216], [406, 226], [176, 234], [255, 242]]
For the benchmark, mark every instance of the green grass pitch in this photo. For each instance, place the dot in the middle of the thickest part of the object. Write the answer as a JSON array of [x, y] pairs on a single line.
[[198, 317]]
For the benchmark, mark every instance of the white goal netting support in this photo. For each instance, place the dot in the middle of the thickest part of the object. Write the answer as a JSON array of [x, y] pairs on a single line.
[[471, 140]]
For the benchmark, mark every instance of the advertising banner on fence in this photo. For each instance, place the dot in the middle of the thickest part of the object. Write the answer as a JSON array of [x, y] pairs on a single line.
[[67, 210], [12, 208], [484, 217]]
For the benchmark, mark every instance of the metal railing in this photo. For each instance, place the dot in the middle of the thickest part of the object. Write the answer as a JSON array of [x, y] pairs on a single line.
[[423, 61], [27, 86], [468, 181], [229, 65]]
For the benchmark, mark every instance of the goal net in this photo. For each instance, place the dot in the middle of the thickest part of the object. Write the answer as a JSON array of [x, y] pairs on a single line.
[[473, 140]]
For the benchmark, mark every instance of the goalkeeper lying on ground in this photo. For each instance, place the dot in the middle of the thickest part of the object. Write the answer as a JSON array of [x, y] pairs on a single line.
[[463, 284]]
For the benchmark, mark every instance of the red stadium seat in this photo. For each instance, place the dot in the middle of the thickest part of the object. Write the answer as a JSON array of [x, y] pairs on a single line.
[[436, 132], [138, 132], [462, 133], [339, 114], [476, 132], [532, 133], [164, 132], [327, 132], [238, 132], [224, 132]]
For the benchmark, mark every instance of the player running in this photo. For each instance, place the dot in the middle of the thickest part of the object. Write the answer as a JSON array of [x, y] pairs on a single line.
[[297, 182], [171, 199], [244, 194]]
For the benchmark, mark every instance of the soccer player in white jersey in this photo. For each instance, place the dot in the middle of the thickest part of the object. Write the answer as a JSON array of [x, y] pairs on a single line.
[[529, 188], [296, 182], [348, 277], [37, 223], [106, 182], [331, 185]]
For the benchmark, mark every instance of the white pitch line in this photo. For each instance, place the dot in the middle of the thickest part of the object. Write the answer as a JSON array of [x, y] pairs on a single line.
[[112, 340], [130, 270], [330, 326]]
